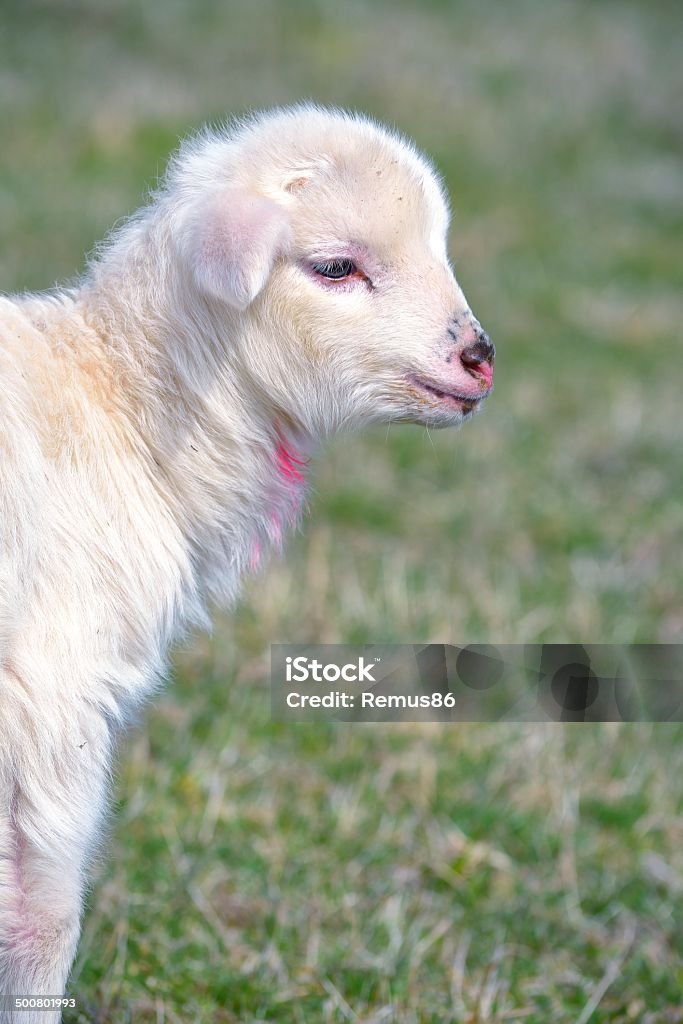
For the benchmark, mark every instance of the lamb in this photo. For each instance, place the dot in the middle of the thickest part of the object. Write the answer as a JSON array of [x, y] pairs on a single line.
[[288, 279]]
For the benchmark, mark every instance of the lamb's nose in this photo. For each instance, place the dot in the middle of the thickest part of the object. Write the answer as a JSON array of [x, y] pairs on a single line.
[[478, 358]]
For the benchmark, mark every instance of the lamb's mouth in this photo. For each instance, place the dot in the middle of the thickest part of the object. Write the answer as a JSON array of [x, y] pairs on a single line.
[[465, 403]]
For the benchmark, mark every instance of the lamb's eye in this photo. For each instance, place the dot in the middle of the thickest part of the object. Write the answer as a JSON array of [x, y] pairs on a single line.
[[335, 270]]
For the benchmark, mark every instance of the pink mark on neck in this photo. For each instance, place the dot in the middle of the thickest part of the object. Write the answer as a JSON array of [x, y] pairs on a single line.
[[289, 464], [283, 502]]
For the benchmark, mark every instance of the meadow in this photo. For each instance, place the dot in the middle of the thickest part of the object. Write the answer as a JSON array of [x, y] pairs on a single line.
[[418, 874]]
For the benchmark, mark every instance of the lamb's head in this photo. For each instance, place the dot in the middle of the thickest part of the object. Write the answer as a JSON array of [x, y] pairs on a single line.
[[323, 236]]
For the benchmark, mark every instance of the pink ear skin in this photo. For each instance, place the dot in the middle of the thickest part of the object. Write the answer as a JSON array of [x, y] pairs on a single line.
[[236, 241]]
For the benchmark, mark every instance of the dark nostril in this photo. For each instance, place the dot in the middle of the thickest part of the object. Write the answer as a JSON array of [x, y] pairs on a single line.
[[482, 351]]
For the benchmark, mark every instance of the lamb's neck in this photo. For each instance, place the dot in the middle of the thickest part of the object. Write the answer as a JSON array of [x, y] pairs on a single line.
[[230, 466]]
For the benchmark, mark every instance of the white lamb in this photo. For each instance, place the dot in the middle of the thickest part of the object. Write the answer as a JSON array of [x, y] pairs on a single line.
[[289, 279]]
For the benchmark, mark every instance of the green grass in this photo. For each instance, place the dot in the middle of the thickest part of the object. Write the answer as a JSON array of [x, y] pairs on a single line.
[[412, 874]]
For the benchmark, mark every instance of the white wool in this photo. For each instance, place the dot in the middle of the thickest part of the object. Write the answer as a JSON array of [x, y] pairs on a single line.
[[155, 422]]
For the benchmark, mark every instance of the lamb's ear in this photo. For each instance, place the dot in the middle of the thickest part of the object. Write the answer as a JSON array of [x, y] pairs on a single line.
[[233, 242]]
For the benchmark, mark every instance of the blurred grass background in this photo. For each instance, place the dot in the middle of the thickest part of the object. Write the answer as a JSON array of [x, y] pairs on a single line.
[[261, 872]]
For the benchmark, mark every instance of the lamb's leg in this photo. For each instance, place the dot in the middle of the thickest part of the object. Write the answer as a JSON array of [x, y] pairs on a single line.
[[50, 810], [40, 908]]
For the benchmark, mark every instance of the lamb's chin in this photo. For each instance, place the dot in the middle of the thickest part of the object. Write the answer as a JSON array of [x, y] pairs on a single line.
[[436, 410]]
